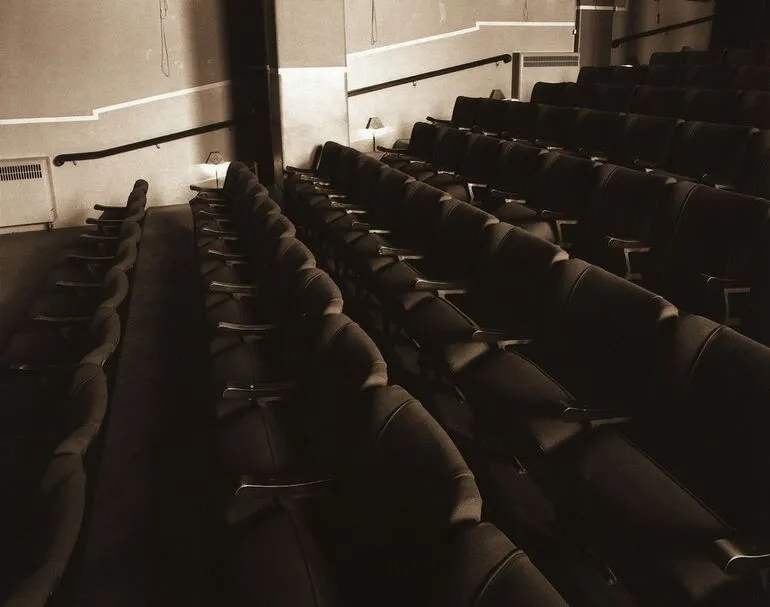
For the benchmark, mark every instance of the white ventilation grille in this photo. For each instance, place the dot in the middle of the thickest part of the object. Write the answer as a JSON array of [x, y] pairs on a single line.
[[26, 196], [20, 172], [564, 60]]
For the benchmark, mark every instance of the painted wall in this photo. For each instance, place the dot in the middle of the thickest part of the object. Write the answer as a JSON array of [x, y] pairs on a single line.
[[412, 36], [312, 76], [642, 15], [81, 75]]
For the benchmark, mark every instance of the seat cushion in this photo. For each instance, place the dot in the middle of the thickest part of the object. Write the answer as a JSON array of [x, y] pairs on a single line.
[[250, 440], [393, 286], [517, 401], [277, 563], [443, 333]]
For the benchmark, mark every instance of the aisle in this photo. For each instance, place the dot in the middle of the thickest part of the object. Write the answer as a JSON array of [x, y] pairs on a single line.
[[149, 541]]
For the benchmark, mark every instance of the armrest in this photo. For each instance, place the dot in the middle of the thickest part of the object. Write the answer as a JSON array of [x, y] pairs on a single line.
[[628, 246], [41, 367], [624, 243], [382, 148], [101, 222], [360, 226], [98, 237], [399, 252], [107, 207], [216, 232], [212, 214], [714, 182], [61, 320], [226, 256], [200, 188], [279, 390], [735, 556], [291, 169], [216, 286], [71, 284], [91, 258], [548, 145], [508, 337], [732, 289], [643, 165], [441, 121], [346, 206], [506, 196], [574, 413], [424, 284], [548, 214], [284, 485], [331, 194], [250, 330]]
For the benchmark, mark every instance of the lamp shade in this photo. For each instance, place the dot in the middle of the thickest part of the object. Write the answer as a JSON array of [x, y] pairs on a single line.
[[215, 158], [374, 123]]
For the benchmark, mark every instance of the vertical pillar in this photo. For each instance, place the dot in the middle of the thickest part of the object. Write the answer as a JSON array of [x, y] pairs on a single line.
[[254, 84], [594, 26], [311, 76]]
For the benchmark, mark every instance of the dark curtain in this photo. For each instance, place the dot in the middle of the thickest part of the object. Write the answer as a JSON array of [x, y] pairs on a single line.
[[741, 23]]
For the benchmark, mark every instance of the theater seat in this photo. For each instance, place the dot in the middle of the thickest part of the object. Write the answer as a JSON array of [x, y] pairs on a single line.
[[38, 544], [617, 231], [675, 507], [590, 362]]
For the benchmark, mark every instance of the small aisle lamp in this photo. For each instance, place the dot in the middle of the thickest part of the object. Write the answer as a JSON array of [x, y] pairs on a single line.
[[373, 124], [214, 159]]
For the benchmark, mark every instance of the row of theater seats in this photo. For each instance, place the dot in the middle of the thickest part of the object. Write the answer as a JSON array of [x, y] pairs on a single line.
[[645, 426], [725, 156], [704, 248], [54, 378], [728, 56], [740, 107], [746, 77], [338, 488]]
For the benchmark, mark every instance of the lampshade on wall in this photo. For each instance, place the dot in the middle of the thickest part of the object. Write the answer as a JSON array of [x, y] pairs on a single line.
[[373, 124], [215, 158]]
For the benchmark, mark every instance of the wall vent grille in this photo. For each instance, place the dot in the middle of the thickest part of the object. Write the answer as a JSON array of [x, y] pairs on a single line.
[[26, 193], [571, 60], [20, 172]]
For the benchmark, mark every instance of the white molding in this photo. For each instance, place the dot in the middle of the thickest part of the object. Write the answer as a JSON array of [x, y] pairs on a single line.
[[468, 30], [614, 9], [331, 68], [96, 114]]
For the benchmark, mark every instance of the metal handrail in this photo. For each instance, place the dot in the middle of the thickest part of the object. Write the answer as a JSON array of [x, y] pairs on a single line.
[[661, 30], [138, 145], [432, 74]]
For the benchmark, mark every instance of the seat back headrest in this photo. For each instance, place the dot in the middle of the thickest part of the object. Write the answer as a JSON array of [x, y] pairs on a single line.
[[409, 483]]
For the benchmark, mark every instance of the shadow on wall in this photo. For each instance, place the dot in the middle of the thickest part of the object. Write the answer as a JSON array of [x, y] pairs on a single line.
[[208, 55]]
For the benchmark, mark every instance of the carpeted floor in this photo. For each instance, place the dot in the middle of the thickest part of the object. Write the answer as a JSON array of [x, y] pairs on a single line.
[[151, 534], [26, 259]]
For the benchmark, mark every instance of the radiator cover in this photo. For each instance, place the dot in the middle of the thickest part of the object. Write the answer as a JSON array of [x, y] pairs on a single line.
[[26, 193]]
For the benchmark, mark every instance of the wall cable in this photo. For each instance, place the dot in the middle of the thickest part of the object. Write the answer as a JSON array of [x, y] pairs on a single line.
[[374, 23], [165, 65]]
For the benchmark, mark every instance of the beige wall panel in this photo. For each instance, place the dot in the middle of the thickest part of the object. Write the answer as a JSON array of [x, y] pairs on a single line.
[[366, 69], [66, 58], [404, 20], [311, 33], [313, 110]]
